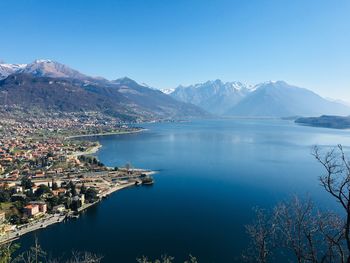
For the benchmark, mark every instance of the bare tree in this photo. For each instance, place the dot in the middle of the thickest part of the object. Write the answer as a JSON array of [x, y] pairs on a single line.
[[164, 259], [336, 181], [84, 257], [331, 228], [309, 233], [262, 236], [297, 228], [192, 259], [34, 255]]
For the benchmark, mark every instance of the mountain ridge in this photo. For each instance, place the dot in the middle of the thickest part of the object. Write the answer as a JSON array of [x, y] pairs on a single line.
[[266, 99], [214, 96], [51, 86], [279, 99]]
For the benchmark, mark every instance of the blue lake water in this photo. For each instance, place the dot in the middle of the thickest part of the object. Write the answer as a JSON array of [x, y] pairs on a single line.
[[211, 174]]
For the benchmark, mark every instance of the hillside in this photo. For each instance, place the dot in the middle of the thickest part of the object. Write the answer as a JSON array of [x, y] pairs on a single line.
[[336, 122], [57, 95], [47, 86]]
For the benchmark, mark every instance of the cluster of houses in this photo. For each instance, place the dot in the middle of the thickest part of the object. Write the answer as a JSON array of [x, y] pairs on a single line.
[[39, 159], [36, 208], [65, 122], [16, 143], [29, 151], [33, 157]]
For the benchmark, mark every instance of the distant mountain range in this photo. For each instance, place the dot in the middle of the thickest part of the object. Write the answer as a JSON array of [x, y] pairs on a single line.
[[46, 86], [49, 86], [268, 99]]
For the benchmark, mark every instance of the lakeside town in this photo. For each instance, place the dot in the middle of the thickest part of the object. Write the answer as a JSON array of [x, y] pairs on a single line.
[[48, 172]]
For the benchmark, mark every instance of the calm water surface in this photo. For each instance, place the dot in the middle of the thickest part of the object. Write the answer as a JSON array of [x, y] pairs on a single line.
[[211, 174]]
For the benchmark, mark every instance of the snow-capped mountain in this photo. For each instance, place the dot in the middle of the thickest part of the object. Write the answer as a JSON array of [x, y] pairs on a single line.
[[214, 96], [270, 99], [167, 91], [267, 99], [50, 68], [44, 68], [279, 99], [8, 69], [53, 87]]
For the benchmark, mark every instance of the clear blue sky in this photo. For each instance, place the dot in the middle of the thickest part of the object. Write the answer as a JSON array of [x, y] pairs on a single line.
[[165, 43]]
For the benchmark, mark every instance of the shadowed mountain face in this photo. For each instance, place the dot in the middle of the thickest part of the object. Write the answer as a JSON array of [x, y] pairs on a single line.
[[48, 86], [270, 99], [62, 95], [155, 100]]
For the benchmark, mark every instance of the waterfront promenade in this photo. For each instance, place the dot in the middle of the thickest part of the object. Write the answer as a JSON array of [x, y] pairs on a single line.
[[105, 194], [32, 226], [116, 188]]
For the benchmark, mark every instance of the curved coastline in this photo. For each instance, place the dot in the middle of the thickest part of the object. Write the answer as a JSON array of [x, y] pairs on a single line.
[[104, 134], [95, 149], [58, 218]]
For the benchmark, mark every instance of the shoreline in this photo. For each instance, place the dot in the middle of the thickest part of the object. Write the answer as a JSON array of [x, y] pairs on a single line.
[[52, 219], [90, 151], [95, 149], [104, 134], [22, 230]]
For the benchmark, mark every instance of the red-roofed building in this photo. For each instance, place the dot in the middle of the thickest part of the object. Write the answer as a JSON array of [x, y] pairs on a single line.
[[31, 210]]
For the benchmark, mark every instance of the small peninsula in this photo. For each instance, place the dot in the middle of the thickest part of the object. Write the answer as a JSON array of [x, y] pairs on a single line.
[[326, 121]]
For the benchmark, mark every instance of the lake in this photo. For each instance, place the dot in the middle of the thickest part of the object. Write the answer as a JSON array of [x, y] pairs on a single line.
[[211, 174]]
